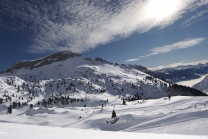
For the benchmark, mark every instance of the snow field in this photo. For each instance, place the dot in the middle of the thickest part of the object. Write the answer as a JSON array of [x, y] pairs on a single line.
[[20, 131], [177, 116], [79, 88]]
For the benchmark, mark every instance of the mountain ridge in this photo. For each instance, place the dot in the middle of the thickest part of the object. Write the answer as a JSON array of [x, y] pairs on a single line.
[[95, 75], [61, 56], [31, 64]]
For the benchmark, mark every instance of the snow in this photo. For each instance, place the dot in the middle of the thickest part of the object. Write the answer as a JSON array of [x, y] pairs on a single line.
[[203, 85], [175, 116], [191, 83], [20, 131], [89, 85], [96, 72]]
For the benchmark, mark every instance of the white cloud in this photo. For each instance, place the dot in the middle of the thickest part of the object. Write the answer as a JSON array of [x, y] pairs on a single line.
[[194, 18], [179, 45], [83, 25], [179, 64], [167, 48], [133, 59]]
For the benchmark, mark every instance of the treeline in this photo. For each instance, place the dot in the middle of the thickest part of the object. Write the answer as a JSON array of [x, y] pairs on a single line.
[[187, 91]]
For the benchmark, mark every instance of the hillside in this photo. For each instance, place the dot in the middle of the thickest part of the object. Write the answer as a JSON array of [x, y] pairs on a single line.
[[203, 85], [66, 76], [68, 90]]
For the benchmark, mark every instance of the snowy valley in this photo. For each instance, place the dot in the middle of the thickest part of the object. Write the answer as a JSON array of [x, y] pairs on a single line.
[[183, 72]]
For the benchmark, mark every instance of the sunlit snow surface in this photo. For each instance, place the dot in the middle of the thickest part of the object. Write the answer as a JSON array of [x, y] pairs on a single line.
[[20, 131], [177, 116], [203, 85]]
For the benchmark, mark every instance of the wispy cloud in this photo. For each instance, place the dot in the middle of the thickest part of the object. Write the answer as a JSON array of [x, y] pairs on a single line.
[[81, 25], [179, 45], [167, 48], [195, 18], [179, 64]]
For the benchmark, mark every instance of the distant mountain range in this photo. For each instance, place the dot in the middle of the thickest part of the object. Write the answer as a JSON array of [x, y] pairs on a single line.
[[183, 73]]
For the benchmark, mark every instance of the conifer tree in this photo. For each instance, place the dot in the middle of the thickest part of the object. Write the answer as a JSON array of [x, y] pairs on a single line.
[[169, 96], [18, 88], [113, 114], [9, 109], [124, 102], [31, 106]]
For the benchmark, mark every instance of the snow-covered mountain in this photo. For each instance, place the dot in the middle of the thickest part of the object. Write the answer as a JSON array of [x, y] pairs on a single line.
[[183, 72], [64, 57], [203, 85], [66, 89], [69, 73]]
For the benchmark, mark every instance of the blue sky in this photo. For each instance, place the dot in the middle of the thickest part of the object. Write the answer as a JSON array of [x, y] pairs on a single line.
[[151, 33]]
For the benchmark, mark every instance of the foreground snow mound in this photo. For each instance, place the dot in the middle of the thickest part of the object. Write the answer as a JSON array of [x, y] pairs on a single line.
[[18, 131]]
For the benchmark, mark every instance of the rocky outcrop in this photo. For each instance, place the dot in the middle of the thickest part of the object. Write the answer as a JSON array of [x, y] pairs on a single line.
[[145, 70], [88, 59], [102, 60], [56, 57], [64, 55]]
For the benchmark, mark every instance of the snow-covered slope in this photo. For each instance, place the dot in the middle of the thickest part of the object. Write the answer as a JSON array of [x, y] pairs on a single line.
[[79, 75], [69, 90], [179, 115], [203, 85], [19, 131]]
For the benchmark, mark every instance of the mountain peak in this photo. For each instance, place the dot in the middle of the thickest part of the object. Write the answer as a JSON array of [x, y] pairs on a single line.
[[31, 64]]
